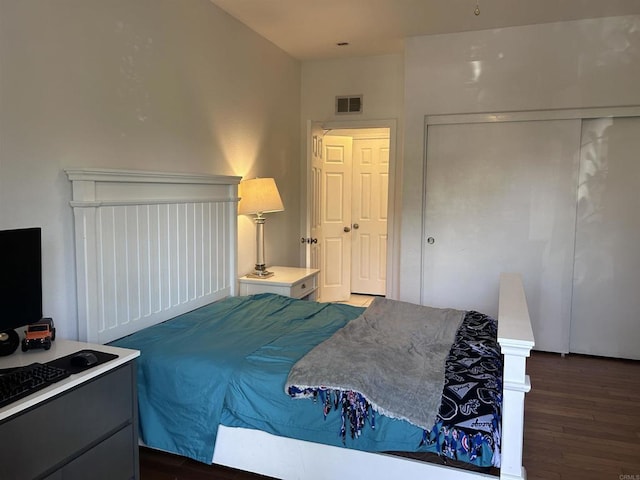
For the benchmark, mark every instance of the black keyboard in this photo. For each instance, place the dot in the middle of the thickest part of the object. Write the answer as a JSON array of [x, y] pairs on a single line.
[[22, 381]]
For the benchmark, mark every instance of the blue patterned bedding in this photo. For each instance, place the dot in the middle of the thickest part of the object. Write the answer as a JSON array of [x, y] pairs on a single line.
[[469, 418], [228, 363]]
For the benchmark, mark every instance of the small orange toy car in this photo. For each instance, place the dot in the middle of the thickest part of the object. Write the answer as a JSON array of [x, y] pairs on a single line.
[[39, 335]]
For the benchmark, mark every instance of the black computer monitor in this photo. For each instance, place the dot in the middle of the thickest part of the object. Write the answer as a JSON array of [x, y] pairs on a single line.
[[20, 278]]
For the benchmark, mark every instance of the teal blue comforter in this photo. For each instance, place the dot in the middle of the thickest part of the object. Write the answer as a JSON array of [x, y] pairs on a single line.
[[188, 365], [228, 363]]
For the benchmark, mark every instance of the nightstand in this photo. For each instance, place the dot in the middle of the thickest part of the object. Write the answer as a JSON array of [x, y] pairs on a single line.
[[289, 281]]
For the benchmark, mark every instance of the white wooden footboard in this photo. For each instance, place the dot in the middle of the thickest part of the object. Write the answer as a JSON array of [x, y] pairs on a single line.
[[287, 458], [515, 337]]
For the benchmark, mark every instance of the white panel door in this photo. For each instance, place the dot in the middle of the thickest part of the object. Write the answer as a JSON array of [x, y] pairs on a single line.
[[335, 219], [501, 197], [314, 253], [369, 216], [606, 293]]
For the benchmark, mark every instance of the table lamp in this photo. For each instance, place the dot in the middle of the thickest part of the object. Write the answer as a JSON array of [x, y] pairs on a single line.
[[259, 196]]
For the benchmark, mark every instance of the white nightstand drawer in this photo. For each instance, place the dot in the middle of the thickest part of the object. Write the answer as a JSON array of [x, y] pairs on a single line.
[[304, 287]]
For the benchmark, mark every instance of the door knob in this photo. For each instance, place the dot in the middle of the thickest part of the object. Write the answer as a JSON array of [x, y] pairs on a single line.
[[356, 226], [347, 229]]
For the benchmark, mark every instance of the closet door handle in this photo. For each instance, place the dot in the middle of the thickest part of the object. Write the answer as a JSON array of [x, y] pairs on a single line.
[[347, 229]]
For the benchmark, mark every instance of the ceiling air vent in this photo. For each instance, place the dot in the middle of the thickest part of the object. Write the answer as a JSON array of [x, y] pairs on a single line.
[[349, 104]]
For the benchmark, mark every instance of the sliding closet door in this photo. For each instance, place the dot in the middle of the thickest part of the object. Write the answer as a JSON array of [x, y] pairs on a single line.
[[606, 297], [501, 197]]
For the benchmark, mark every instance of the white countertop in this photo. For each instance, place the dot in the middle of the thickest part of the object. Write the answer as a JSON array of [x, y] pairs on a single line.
[[60, 348]]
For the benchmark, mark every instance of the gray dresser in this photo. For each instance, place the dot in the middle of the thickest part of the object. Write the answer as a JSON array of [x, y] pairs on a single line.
[[82, 427]]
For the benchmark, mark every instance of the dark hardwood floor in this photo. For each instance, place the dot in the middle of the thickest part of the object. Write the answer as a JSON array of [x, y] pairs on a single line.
[[582, 418], [582, 421], [163, 466]]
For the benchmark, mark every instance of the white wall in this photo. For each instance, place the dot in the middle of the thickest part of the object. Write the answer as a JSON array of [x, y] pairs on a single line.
[[380, 79], [577, 64], [138, 84]]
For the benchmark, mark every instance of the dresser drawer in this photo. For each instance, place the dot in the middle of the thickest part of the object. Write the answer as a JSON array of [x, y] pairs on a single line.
[[113, 459]]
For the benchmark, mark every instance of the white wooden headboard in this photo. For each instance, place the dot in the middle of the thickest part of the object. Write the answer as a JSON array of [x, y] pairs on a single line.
[[150, 246]]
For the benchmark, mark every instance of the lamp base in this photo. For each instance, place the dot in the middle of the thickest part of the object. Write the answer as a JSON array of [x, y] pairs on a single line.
[[260, 275], [260, 272]]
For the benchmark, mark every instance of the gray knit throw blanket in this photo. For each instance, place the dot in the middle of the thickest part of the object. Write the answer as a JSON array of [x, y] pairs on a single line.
[[393, 354]]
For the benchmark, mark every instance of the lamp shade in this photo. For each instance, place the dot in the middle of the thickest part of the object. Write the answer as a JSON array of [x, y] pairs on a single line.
[[259, 195]]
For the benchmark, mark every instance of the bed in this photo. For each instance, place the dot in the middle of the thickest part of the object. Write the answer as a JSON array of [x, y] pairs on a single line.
[[153, 246]]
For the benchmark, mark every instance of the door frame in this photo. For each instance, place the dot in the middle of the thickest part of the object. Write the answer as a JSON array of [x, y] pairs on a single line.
[[393, 254]]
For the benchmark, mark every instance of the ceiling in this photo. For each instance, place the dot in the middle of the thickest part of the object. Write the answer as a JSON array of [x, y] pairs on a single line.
[[310, 29]]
